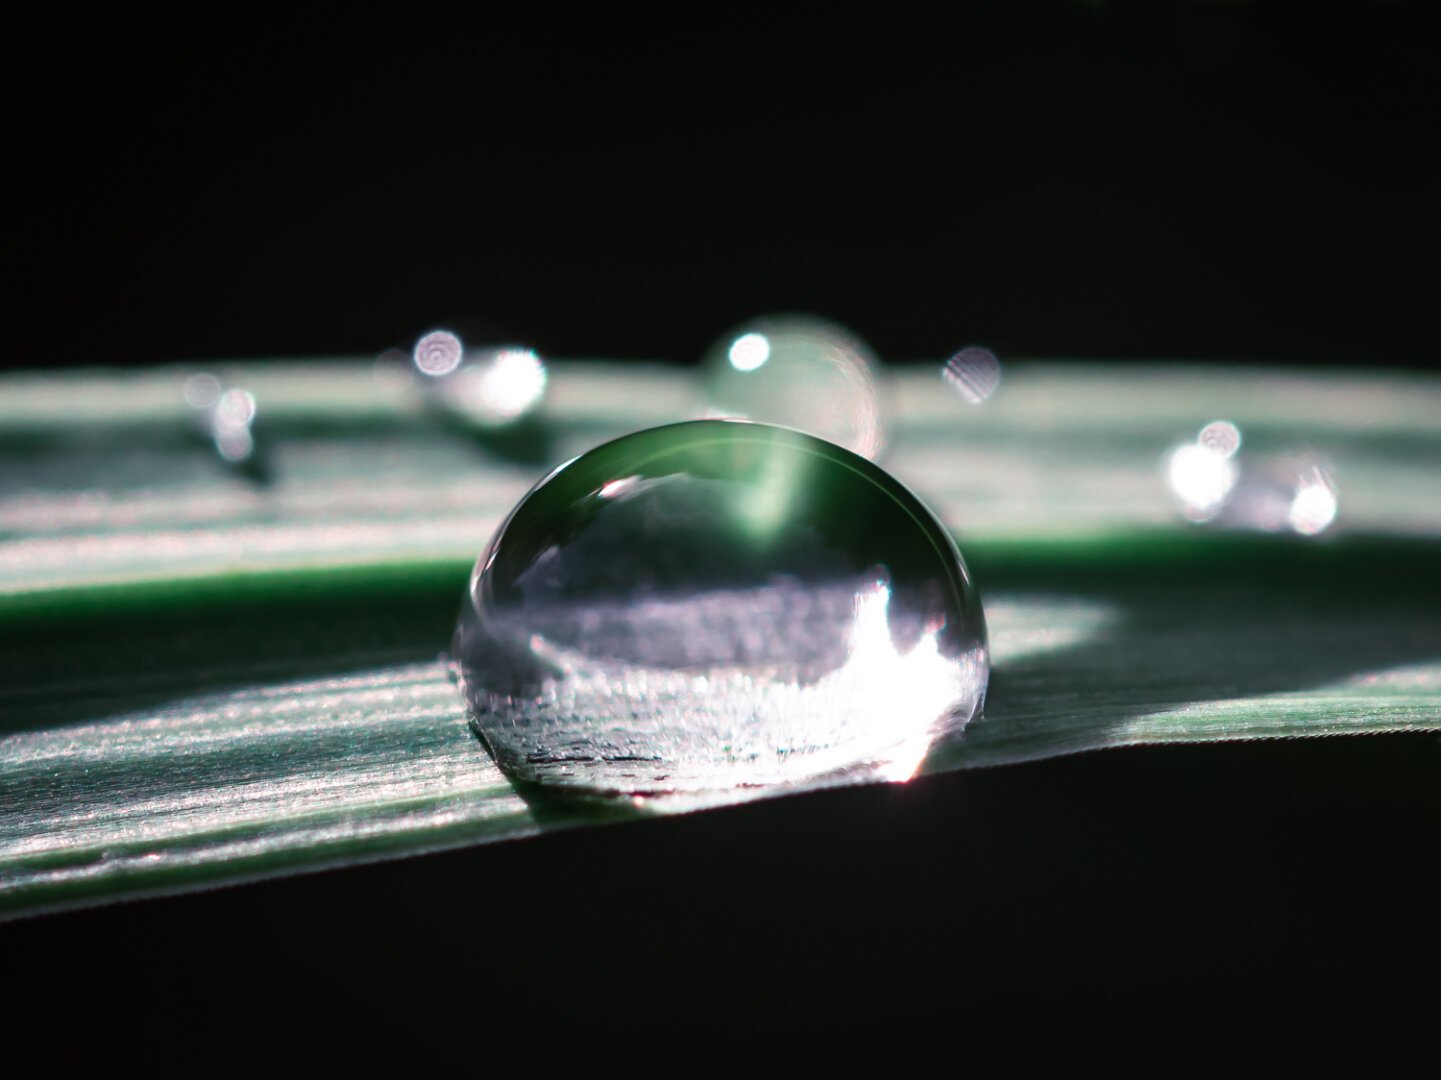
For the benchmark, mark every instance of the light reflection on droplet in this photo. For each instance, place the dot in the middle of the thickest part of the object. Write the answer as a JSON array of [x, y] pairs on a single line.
[[800, 372], [613, 489], [1201, 478], [974, 372], [499, 385], [438, 353], [638, 628], [749, 351], [1314, 507]]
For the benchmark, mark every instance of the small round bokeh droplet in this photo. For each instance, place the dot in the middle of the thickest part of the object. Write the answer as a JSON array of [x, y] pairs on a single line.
[[1220, 437], [974, 372], [718, 605], [801, 372], [438, 353]]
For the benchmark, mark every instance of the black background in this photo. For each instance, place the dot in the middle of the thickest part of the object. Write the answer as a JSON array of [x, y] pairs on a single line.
[[1236, 180], [1243, 181]]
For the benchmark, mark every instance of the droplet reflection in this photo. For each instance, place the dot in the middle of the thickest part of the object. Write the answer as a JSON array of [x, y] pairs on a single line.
[[716, 605], [749, 351], [801, 372]]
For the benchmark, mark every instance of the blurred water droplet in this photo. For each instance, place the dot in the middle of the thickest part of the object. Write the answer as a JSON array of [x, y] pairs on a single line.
[[231, 420], [202, 390], [801, 372], [395, 370], [974, 372], [1213, 482], [438, 353], [1314, 506], [224, 416], [1202, 474], [498, 385], [1220, 437], [718, 605]]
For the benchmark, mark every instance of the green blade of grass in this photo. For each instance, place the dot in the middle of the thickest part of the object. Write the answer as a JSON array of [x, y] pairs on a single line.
[[188, 699]]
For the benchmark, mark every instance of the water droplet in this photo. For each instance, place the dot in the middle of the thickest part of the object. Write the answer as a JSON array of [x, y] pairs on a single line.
[[1214, 483], [1220, 437], [438, 353], [231, 420], [974, 372], [717, 605], [802, 372], [1314, 504], [224, 416], [203, 390], [1201, 478]]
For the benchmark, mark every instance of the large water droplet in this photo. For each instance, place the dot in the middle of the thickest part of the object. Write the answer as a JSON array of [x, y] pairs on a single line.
[[802, 372], [714, 605]]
